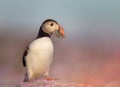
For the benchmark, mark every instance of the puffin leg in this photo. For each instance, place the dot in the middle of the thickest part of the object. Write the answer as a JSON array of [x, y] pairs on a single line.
[[46, 75]]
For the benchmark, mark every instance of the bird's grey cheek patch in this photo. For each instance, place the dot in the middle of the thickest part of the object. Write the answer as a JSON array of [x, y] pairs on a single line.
[[57, 34]]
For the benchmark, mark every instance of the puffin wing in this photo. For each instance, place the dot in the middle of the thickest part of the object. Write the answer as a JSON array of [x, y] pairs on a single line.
[[24, 55]]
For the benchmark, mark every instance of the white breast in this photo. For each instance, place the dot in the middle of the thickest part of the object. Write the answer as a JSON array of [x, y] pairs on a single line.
[[40, 56]]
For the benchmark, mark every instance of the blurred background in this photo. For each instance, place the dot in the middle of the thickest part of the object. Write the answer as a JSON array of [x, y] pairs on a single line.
[[90, 52]]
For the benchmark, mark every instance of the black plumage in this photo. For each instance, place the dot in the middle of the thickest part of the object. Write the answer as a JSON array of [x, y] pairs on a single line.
[[24, 55]]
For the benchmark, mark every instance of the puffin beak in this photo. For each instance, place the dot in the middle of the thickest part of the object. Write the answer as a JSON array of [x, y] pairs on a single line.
[[59, 33]]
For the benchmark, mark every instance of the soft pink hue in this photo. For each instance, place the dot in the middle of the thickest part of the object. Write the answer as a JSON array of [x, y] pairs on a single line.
[[52, 83]]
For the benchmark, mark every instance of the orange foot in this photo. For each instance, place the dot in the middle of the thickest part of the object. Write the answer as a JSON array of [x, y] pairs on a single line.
[[50, 78]]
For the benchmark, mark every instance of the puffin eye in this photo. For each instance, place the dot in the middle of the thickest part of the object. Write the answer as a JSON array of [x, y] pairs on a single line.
[[51, 24]]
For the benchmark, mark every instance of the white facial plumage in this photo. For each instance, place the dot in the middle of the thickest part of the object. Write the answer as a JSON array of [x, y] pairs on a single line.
[[50, 27]]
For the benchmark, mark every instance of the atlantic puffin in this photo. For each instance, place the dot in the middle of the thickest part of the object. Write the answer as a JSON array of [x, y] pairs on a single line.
[[38, 55]]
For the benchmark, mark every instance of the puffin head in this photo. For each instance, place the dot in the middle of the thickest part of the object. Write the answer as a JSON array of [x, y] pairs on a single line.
[[51, 27]]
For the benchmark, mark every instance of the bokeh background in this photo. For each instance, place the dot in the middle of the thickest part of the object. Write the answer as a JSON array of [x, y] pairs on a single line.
[[90, 52]]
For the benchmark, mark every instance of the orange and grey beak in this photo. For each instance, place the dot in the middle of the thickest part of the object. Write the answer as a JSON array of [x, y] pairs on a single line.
[[59, 33]]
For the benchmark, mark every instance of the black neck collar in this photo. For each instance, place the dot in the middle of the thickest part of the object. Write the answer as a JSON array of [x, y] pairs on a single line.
[[42, 34]]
